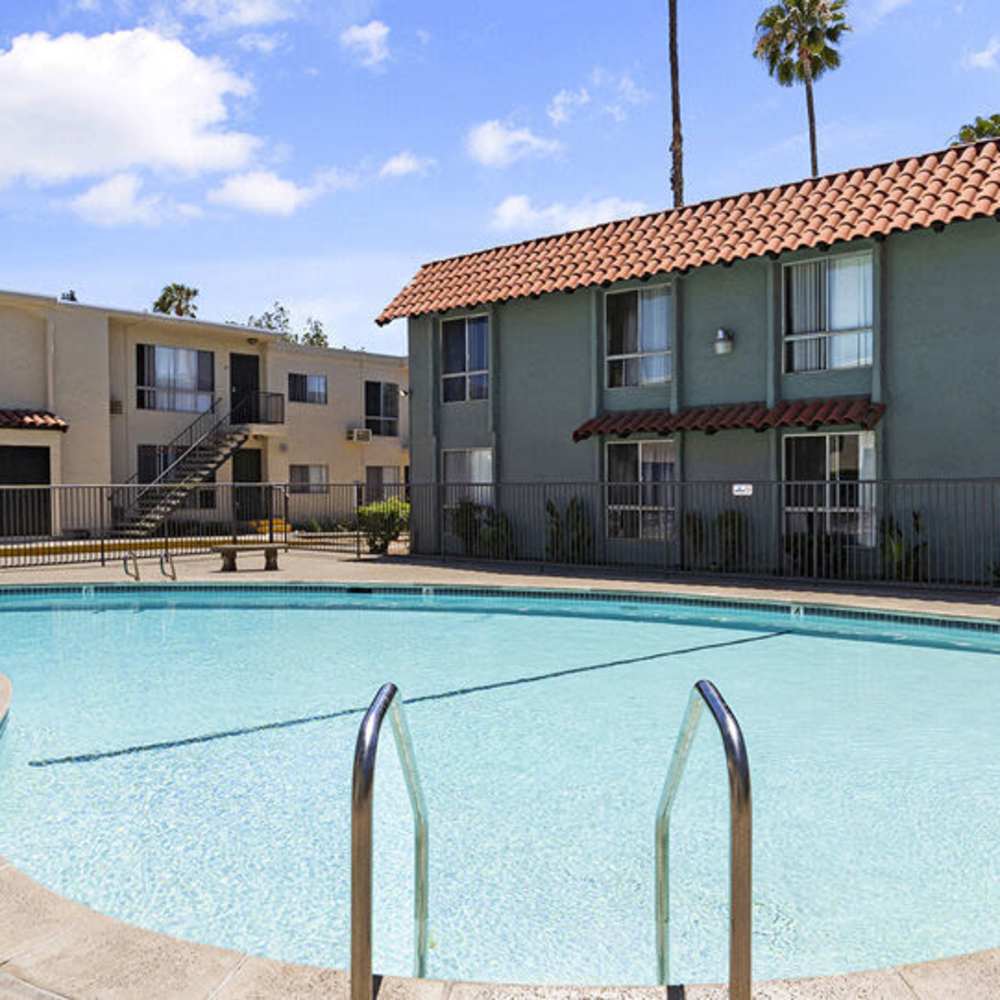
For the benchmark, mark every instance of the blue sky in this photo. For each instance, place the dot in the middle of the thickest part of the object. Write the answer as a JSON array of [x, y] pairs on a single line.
[[317, 151]]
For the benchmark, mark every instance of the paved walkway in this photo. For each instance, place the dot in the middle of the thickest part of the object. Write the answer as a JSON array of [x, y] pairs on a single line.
[[318, 567]]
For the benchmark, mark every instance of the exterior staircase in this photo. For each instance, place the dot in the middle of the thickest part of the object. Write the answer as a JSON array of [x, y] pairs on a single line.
[[140, 509]]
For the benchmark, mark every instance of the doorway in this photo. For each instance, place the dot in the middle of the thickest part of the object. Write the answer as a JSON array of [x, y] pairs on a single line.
[[25, 512], [244, 388]]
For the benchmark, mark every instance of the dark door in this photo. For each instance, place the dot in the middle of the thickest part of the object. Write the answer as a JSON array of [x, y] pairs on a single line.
[[248, 501], [24, 512], [244, 386]]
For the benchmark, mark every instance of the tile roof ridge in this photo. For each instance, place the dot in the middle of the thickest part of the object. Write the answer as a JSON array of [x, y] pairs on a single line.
[[959, 149]]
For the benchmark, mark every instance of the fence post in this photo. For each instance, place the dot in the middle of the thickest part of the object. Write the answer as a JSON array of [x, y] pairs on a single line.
[[284, 505], [270, 516], [100, 519]]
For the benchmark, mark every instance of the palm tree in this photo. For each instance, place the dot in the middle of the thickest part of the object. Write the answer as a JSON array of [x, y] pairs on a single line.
[[981, 128], [797, 39], [177, 300], [677, 141]]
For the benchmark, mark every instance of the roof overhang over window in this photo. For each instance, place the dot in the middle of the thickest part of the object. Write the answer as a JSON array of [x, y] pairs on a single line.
[[31, 420], [809, 414]]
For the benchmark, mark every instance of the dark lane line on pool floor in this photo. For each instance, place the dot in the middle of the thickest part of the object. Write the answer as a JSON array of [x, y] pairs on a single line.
[[87, 758]]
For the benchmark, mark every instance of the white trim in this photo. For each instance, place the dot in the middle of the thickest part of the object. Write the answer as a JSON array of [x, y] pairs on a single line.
[[640, 508], [865, 534], [638, 355], [826, 335], [468, 373]]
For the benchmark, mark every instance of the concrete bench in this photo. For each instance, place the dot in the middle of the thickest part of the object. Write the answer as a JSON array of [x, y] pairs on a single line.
[[229, 552]]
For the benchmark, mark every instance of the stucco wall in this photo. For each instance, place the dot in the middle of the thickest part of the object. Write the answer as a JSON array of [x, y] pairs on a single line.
[[82, 394], [22, 368], [943, 352], [937, 349]]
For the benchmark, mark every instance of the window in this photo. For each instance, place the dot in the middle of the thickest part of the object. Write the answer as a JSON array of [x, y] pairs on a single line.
[[155, 459], [640, 497], [824, 485], [382, 482], [828, 314], [638, 337], [174, 378], [306, 388], [468, 475], [465, 359], [307, 478], [382, 408]]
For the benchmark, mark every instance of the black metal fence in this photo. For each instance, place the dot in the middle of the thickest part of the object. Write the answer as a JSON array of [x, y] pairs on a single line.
[[930, 533]]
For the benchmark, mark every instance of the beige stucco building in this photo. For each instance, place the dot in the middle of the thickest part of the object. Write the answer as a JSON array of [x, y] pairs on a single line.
[[93, 395]]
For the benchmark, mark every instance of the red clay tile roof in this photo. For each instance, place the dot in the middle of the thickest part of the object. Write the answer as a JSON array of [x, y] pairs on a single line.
[[810, 413], [31, 420], [931, 190]]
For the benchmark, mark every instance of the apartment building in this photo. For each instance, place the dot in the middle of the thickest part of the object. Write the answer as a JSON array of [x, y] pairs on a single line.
[[92, 395], [834, 331]]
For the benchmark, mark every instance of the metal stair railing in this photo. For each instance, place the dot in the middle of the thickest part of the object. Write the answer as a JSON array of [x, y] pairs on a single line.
[[363, 786], [740, 837]]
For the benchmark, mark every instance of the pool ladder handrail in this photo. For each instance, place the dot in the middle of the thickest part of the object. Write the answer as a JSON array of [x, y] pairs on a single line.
[[134, 573], [365, 750], [740, 837]]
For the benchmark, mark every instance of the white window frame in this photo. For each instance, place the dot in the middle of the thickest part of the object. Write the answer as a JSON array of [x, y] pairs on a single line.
[[469, 372], [481, 493], [639, 355], [313, 396], [669, 510], [866, 535], [311, 485], [828, 335], [379, 418], [167, 397]]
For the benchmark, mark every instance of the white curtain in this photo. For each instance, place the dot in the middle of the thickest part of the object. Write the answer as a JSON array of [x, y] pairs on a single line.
[[850, 283]]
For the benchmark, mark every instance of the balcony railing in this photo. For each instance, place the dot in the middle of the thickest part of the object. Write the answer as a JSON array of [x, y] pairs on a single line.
[[259, 408]]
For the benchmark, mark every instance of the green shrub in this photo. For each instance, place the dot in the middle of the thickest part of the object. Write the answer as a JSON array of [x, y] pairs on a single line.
[[383, 522], [484, 531], [569, 538]]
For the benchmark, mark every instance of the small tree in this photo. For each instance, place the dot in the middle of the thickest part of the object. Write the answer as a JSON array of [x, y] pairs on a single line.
[[314, 335], [980, 128], [177, 300], [69, 296], [276, 319]]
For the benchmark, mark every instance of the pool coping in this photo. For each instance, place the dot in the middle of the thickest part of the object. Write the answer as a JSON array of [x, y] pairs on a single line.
[[798, 609], [52, 948]]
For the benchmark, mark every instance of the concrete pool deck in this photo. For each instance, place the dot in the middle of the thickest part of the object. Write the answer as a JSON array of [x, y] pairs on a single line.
[[52, 948]]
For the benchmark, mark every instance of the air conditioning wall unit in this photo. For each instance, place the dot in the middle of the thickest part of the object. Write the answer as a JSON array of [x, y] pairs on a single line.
[[361, 435]]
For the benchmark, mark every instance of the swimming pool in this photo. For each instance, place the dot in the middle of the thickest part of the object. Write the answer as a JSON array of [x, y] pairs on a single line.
[[180, 758]]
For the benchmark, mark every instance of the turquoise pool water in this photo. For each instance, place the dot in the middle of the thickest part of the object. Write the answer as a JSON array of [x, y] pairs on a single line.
[[873, 749]]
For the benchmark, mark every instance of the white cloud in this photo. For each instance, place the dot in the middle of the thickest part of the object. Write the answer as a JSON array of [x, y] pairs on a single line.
[[986, 58], [117, 202], [223, 15], [870, 12], [368, 43], [562, 106], [259, 42], [494, 144], [90, 106], [622, 92], [423, 36], [265, 193], [517, 212], [405, 163]]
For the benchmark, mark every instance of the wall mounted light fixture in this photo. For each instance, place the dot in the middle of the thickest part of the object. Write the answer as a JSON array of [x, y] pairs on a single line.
[[723, 342]]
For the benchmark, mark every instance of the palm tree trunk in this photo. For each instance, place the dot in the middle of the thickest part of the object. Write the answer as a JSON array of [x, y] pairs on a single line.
[[811, 112], [677, 141]]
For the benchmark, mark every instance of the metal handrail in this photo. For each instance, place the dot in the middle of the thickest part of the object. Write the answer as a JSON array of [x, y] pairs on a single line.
[[361, 838], [135, 562], [740, 837]]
